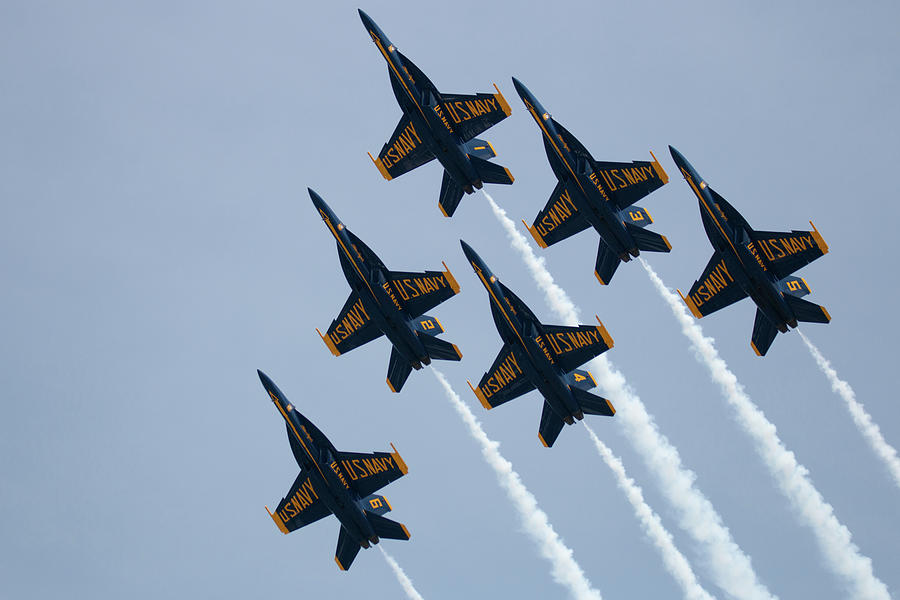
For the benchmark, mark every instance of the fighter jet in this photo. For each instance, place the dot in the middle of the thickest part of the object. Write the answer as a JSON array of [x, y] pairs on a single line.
[[386, 302], [752, 263], [436, 125], [539, 356], [594, 194], [338, 483]]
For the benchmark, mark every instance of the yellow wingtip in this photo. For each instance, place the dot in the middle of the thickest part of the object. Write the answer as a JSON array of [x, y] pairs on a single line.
[[753, 345], [328, 342], [478, 394], [278, 521], [381, 168], [691, 305], [534, 233], [540, 437], [820, 241], [504, 105], [443, 212], [604, 334], [600, 279], [391, 385], [401, 464], [340, 566], [663, 176], [450, 278]]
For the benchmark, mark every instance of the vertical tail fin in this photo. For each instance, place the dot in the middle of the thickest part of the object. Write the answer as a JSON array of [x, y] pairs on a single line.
[[451, 194], [607, 263], [347, 549], [398, 371], [764, 332]]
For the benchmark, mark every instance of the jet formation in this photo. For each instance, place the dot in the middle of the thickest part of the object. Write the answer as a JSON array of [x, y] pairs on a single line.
[[539, 356], [534, 355], [747, 262], [441, 126], [389, 303], [594, 194], [336, 483]]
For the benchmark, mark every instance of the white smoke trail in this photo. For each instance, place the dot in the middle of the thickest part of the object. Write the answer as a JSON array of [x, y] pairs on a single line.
[[833, 538], [565, 570], [863, 420], [673, 559], [730, 568], [405, 582]]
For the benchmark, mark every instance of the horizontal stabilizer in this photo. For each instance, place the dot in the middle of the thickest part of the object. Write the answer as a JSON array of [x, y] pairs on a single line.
[[490, 172], [439, 349], [451, 194], [387, 529], [480, 148], [581, 379], [764, 332], [399, 369], [373, 503], [347, 549], [807, 311], [638, 216], [428, 324], [607, 263], [795, 286], [592, 404], [649, 241]]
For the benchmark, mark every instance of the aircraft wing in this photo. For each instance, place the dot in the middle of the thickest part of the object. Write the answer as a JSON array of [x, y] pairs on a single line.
[[571, 347], [418, 293], [629, 182], [504, 381], [471, 114], [715, 289], [300, 507], [558, 220], [352, 328], [403, 152], [787, 252], [368, 472]]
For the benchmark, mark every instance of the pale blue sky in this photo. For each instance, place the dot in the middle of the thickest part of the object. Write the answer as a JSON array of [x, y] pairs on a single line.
[[157, 246]]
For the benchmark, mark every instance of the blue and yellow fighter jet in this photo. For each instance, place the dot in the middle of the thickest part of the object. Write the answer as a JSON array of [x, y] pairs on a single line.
[[436, 125], [539, 356], [338, 483], [594, 194], [386, 302], [752, 263]]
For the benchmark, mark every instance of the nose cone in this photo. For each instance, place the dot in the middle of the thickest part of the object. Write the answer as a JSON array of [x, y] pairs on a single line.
[[268, 384], [367, 20], [521, 89], [470, 254], [320, 205], [677, 156]]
